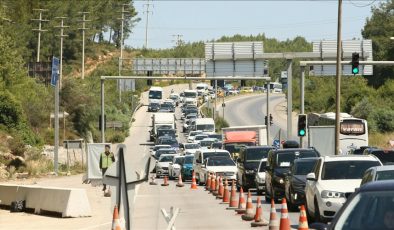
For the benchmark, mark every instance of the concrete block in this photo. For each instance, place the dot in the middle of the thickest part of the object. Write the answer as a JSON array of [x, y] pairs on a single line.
[[7, 194]]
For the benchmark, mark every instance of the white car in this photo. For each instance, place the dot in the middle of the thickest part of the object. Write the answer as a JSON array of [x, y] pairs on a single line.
[[260, 177], [222, 166], [334, 179], [162, 164], [199, 137], [174, 169], [157, 147], [199, 161], [385, 172], [189, 148], [192, 135]]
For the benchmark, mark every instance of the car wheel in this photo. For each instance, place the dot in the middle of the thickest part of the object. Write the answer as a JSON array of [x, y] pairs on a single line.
[[292, 207], [317, 212], [267, 196], [308, 214]]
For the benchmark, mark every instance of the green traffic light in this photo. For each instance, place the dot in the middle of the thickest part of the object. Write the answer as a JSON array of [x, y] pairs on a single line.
[[355, 70], [302, 132]]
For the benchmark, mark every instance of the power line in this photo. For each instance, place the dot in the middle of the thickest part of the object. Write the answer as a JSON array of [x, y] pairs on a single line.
[[39, 19], [361, 6]]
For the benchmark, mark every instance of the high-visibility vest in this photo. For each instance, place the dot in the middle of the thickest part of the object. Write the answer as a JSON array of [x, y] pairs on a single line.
[[106, 161]]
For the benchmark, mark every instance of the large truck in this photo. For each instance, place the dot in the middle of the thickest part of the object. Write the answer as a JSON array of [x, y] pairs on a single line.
[[236, 136], [160, 121]]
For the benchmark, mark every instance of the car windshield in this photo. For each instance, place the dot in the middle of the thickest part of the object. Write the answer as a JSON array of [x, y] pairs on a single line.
[[179, 160], [166, 106], [262, 166], [173, 97], [191, 94], [198, 137], [169, 141], [192, 146], [337, 170], [303, 167], [166, 159], [165, 132], [217, 136], [205, 143], [286, 159], [154, 104], [155, 94], [385, 175], [188, 160], [368, 210], [157, 147], [164, 151], [205, 127], [222, 161], [256, 154], [219, 154], [192, 134], [217, 145]]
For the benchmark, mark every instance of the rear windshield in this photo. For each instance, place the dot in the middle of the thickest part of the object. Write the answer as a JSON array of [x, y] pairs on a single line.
[[340, 170], [192, 146], [217, 145], [223, 161], [303, 167], [206, 143], [385, 175], [255, 154], [169, 141], [166, 159], [286, 159], [188, 160], [179, 160], [210, 154]]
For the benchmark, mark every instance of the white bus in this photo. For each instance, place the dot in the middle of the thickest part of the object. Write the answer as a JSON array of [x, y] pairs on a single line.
[[276, 87], [155, 94], [353, 132]]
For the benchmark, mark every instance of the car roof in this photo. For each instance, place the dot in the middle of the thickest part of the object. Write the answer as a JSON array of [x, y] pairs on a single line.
[[383, 168], [293, 150], [260, 147], [218, 157], [213, 150], [350, 157], [209, 139], [383, 185], [306, 159]]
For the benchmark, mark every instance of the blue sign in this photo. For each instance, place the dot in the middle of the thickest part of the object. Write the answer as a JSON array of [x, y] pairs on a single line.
[[276, 143], [55, 71]]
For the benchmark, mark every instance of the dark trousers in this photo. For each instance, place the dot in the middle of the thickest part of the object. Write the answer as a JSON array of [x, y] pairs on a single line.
[[103, 170]]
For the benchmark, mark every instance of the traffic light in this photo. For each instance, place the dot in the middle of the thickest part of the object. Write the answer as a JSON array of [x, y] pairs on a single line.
[[355, 63], [243, 83], [301, 125], [105, 122], [149, 73], [271, 120], [266, 120]]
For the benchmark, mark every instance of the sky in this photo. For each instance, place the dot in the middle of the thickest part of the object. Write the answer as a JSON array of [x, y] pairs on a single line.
[[207, 20]]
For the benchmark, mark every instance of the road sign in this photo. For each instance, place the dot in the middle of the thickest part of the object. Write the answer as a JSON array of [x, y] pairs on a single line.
[[276, 143], [55, 71], [283, 75]]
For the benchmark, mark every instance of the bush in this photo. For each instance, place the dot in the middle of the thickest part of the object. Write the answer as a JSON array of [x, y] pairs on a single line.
[[17, 146], [383, 119]]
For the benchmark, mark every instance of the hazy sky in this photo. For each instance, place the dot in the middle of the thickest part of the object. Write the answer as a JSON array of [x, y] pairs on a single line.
[[206, 20]]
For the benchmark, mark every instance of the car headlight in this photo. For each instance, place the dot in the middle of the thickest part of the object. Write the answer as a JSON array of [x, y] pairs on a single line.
[[261, 180], [279, 180], [251, 171], [332, 194]]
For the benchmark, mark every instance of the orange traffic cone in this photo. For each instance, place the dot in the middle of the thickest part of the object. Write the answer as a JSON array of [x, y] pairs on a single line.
[[208, 182], [213, 183], [249, 215], [216, 187], [233, 198], [165, 183], [241, 202], [258, 218], [115, 220], [194, 184], [221, 189], [303, 222], [274, 222], [284, 217], [180, 182], [226, 194]]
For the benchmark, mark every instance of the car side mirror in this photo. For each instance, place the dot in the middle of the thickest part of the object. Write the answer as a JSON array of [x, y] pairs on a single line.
[[311, 176]]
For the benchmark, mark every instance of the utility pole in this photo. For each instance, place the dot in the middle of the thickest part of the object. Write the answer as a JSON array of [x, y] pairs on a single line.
[[302, 96], [178, 39], [289, 98], [147, 11], [121, 50], [83, 41], [57, 91], [268, 113], [39, 19], [338, 79]]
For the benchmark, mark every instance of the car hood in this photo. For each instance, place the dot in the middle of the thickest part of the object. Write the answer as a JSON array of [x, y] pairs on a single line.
[[280, 171], [298, 179], [191, 151], [222, 168], [340, 185], [251, 165]]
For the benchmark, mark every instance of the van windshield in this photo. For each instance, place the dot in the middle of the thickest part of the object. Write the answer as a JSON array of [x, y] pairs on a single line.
[[256, 154], [155, 94], [206, 127], [286, 159]]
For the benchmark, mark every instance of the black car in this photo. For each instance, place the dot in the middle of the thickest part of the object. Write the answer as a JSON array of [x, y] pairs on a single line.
[[247, 164], [279, 162], [295, 181], [153, 107], [385, 156], [370, 207]]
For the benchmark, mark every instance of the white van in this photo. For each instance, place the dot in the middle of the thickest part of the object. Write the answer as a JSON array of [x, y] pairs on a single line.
[[190, 94], [155, 94], [201, 88], [207, 125], [199, 160]]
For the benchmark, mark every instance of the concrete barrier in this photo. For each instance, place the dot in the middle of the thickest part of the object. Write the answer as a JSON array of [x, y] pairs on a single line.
[[67, 202]]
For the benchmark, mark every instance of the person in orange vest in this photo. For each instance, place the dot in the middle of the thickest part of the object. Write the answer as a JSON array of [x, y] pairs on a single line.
[[106, 160]]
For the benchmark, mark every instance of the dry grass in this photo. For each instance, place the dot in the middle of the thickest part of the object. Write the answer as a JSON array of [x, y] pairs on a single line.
[[381, 140]]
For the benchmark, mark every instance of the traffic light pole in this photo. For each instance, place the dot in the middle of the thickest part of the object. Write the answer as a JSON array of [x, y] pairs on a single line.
[[302, 96], [268, 113]]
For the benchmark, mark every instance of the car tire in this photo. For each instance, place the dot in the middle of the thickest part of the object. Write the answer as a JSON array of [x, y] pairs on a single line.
[[292, 207], [267, 197], [308, 215]]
